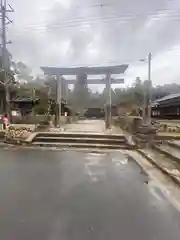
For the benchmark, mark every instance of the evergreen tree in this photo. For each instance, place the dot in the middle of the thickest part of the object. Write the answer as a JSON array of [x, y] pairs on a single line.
[[81, 93]]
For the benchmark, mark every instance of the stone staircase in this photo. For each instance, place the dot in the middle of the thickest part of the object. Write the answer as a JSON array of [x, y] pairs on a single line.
[[80, 140], [165, 160], [170, 150]]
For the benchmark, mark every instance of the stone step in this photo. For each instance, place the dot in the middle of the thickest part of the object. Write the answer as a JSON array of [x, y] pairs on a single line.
[[80, 145], [169, 151], [79, 140], [163, 163], [80, 135], [167, 136], [174, 144]]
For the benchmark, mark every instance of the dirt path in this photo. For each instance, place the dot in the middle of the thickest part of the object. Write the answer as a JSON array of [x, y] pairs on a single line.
[[94, 126]]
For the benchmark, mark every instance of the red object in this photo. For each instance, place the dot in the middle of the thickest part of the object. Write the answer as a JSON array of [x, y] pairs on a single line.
[[5, 121]]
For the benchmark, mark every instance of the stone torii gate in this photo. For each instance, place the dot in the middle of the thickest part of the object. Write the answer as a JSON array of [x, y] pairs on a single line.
[[62, 83]]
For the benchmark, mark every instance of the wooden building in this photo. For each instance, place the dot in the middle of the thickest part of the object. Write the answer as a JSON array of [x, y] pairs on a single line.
[[167, 107]]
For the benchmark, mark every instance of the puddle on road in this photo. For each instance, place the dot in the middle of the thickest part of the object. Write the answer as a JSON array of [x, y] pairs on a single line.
[[162, 193], [120, 161], [94, 157], [93, 165], [156, 191], [97, 154]]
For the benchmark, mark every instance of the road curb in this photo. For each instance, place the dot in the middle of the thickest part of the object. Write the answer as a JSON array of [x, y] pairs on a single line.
[[172, 144], [164, 171], [169, 155]]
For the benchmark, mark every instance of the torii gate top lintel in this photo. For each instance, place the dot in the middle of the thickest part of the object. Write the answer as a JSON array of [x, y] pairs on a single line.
[[119, 69]]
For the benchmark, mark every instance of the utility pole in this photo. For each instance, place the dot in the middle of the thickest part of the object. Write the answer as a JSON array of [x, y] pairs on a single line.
[[149, 88], [147, 94], [5, 64], [34, 100]]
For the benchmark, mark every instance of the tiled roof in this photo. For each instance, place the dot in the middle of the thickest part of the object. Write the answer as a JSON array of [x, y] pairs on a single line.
[[25, 99], [168, 97]]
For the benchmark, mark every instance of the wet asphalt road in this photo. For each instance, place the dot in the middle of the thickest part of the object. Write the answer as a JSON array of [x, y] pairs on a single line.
[[51, 195]]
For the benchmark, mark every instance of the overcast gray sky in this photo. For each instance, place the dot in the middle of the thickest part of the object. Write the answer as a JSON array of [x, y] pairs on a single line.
[[81, 32]]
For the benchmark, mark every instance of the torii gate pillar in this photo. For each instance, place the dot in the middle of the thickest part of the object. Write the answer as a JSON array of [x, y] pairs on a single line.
[[108, 102]]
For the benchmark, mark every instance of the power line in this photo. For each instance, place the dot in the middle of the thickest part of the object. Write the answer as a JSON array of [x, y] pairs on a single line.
[[47, 29], [87, 6], [109, 5], [84, 21], [166, 12], [79, 24]]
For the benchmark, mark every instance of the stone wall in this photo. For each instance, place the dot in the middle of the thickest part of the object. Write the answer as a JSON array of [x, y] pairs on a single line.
[[19, 132], [42, 118], [128, 123], [169, 128], [142, 135], [29, 119]]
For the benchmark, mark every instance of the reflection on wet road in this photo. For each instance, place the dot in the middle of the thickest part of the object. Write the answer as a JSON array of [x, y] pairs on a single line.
[[54, 195]]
